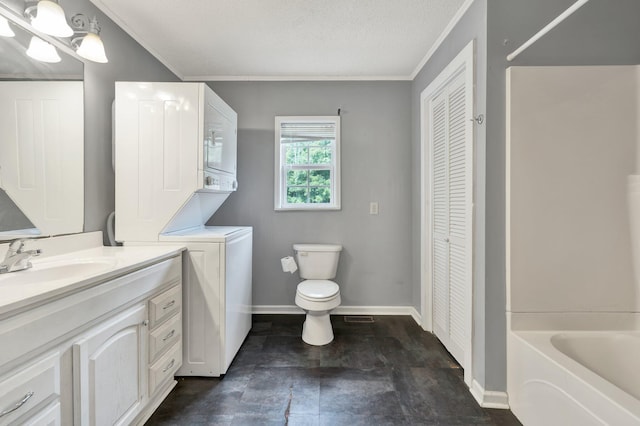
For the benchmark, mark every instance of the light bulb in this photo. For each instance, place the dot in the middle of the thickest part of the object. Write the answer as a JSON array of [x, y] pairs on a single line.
[[42, 51]]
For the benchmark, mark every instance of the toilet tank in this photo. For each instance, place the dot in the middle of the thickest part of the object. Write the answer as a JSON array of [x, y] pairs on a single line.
[[317, 261]]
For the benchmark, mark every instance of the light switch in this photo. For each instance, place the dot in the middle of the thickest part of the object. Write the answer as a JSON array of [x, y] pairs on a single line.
[[373, 207]]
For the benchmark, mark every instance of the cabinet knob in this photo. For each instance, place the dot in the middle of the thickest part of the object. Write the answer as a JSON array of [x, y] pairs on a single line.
[[145, 323]]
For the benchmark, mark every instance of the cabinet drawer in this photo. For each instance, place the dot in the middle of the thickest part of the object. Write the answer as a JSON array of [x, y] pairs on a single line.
[[28, 386], [164, 305], [50, 416], [165, 367], [164, 336]]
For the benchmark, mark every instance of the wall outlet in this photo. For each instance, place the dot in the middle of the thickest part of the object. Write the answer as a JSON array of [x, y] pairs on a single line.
[[373, 207]]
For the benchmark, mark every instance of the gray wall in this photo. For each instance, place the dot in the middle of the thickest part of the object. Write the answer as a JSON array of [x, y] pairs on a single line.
[[472, 26], [11, 217], [375, 265], [601, 33]]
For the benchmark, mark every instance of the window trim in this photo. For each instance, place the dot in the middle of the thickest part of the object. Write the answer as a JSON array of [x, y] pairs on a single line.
[[280, 169]]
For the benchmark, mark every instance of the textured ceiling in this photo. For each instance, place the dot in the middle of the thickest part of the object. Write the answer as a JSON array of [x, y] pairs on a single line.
[[286, 39]]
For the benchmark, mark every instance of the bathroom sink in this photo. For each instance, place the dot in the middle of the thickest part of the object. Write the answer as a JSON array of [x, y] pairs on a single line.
[[47, 271]]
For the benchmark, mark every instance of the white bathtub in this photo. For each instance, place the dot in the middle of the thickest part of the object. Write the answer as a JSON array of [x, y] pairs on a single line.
[[574, 377]]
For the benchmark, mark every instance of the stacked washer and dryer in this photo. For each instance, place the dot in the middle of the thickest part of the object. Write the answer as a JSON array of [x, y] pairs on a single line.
[[175, 162]]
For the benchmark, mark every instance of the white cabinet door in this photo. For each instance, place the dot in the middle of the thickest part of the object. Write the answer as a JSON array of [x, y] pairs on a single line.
[[158, 126], [202, 313], [110, 370]]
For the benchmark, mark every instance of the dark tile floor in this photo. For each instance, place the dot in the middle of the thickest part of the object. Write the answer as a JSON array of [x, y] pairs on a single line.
[[389, 372]]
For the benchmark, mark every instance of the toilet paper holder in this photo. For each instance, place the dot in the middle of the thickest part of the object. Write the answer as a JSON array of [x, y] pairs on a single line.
[[289, 264]]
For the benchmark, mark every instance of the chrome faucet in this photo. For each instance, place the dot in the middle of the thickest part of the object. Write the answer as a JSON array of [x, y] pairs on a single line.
[[16, 258]]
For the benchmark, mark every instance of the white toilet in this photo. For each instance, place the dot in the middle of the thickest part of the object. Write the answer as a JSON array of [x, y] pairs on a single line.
[[316, 294]]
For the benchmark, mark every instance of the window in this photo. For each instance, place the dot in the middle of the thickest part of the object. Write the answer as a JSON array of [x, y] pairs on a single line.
[[307, 158]]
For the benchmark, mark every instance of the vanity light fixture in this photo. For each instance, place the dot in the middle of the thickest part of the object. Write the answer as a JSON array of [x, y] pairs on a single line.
[[48, 17], [42, 50], [5, 29], [88, 43]]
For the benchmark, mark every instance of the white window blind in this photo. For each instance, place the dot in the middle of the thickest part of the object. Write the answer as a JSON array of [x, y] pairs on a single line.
[[307, 132]]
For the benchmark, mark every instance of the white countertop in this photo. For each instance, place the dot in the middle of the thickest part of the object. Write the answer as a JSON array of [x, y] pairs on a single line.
[[55, 276]]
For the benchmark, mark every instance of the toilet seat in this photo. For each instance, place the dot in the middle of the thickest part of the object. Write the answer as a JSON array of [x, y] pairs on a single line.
[[317, 290]]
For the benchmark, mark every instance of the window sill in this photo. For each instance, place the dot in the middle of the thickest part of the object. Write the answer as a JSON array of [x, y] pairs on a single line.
[[307, 209]]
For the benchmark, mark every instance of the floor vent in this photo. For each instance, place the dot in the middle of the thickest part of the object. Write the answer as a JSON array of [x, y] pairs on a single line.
[[359, 318]]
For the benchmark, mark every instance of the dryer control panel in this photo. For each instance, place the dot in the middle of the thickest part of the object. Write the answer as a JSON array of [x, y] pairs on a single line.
[[219, 182]]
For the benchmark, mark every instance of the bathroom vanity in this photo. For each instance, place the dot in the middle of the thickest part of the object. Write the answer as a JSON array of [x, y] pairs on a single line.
[[90, 334]]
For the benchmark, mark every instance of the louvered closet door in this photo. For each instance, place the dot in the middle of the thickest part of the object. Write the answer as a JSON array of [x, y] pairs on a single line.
[[451, 203]]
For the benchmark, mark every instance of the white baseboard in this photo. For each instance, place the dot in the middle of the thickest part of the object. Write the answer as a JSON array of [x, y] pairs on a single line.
[[489, 399], [341, 310], [276, 309], [415, 315], [372, 310]]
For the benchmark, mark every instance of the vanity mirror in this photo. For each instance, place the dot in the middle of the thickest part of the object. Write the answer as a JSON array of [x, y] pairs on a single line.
[[41, 138]]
